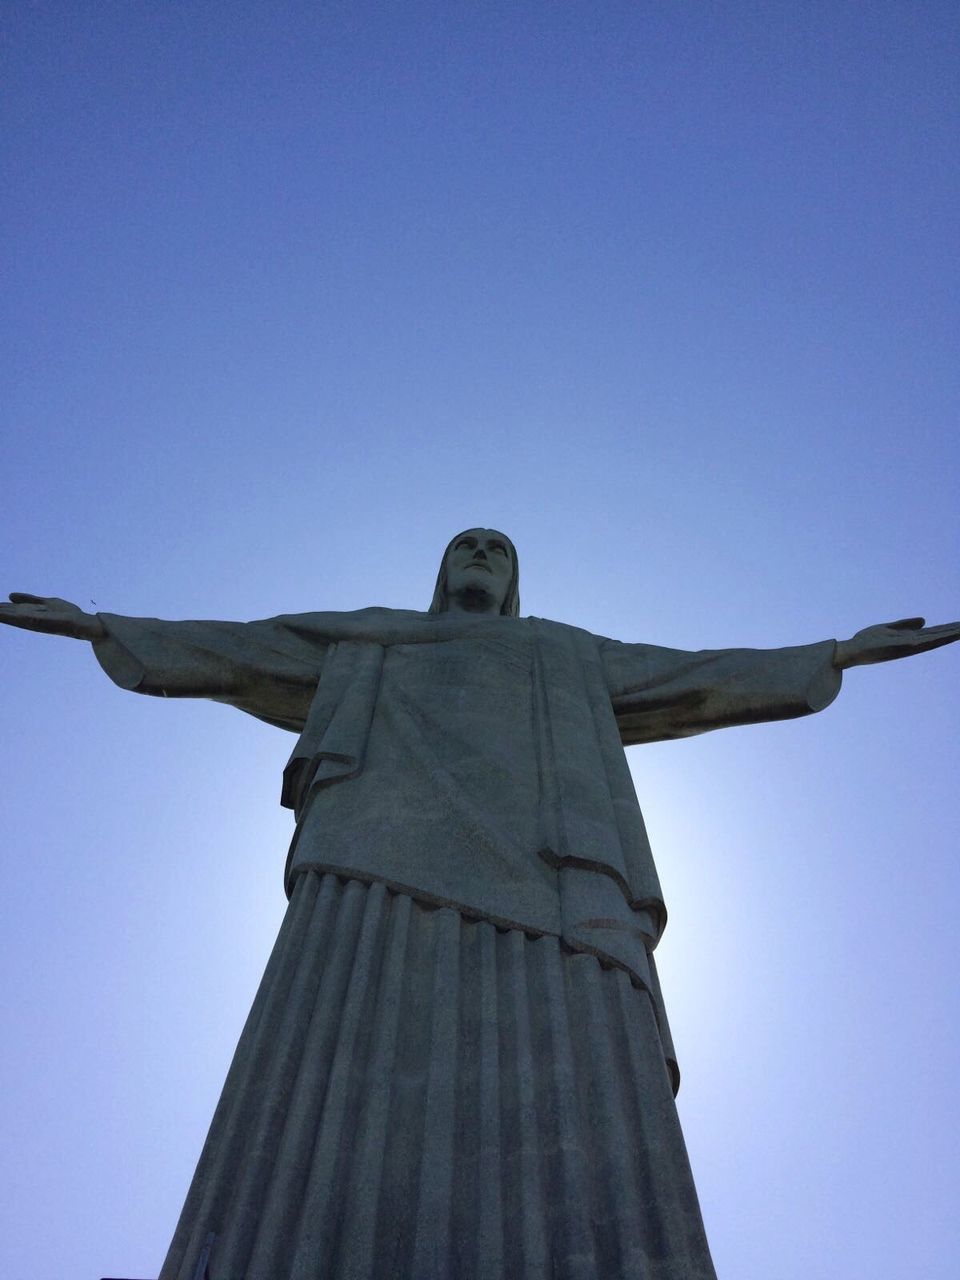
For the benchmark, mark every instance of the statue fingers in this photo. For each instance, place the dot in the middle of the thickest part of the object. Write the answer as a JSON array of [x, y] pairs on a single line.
[[906, 624], [934, 637], [18, 615]]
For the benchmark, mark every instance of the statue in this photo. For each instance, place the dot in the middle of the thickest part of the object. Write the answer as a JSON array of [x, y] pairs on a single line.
[[458, 1062]]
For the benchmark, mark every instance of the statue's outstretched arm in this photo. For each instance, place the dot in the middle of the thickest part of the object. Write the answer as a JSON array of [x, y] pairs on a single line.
[[889, 640], [662, 693], [263, 667], [50, 614]]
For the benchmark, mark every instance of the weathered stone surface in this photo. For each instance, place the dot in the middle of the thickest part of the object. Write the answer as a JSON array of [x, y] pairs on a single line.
[[458, 1062], [457, 1100]]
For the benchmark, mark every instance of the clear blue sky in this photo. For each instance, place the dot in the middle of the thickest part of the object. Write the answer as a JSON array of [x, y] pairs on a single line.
[[668, 292]]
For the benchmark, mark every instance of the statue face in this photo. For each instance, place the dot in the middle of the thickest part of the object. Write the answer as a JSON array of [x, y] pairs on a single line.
[[480, 561]]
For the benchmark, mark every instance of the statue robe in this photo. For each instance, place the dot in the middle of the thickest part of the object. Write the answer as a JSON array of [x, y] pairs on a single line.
[[473, 765]]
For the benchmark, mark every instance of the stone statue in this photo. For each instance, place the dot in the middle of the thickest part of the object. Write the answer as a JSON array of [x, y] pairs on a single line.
[[458, 1063]]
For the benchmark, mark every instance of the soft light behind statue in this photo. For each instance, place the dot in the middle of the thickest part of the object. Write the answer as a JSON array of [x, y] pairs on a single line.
[[666, 300]]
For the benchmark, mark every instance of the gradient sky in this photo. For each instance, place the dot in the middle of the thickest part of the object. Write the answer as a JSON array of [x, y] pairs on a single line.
[[668, 292]]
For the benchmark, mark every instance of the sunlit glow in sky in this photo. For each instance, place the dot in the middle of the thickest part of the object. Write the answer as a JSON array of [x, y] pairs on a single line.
[[669, 294]]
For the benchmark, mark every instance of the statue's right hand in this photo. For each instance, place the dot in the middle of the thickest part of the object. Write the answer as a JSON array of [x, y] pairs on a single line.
[[48, 613]]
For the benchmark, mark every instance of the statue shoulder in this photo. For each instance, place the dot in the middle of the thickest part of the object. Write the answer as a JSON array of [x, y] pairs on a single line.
[[376, 625], [373, 613], [566, 632]]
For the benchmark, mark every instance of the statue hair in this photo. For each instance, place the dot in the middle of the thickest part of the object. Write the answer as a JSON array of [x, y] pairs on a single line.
[[511, 601]]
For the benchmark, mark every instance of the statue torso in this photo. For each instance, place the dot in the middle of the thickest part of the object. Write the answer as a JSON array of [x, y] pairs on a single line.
[[449, 790]]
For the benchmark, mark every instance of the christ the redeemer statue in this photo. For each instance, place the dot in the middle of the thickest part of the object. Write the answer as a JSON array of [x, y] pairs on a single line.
[[458, 1065]]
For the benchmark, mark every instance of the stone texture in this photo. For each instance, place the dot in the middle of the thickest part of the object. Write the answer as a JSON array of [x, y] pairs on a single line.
[[458, 1063], [418, 1094]]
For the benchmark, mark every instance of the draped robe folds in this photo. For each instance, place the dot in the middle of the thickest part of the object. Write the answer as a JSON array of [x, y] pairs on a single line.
[[475, 762]]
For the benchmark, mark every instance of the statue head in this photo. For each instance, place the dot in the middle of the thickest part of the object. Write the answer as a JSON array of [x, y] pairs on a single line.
[[482, 562]]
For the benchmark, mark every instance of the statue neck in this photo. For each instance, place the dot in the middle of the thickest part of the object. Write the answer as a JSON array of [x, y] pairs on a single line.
[[473, 600]]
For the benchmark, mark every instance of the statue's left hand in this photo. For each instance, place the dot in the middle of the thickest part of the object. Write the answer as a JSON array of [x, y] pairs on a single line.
[[890, 640]]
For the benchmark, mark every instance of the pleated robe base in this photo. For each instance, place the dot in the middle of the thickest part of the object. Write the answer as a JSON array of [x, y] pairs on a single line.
[[421, 1096]]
